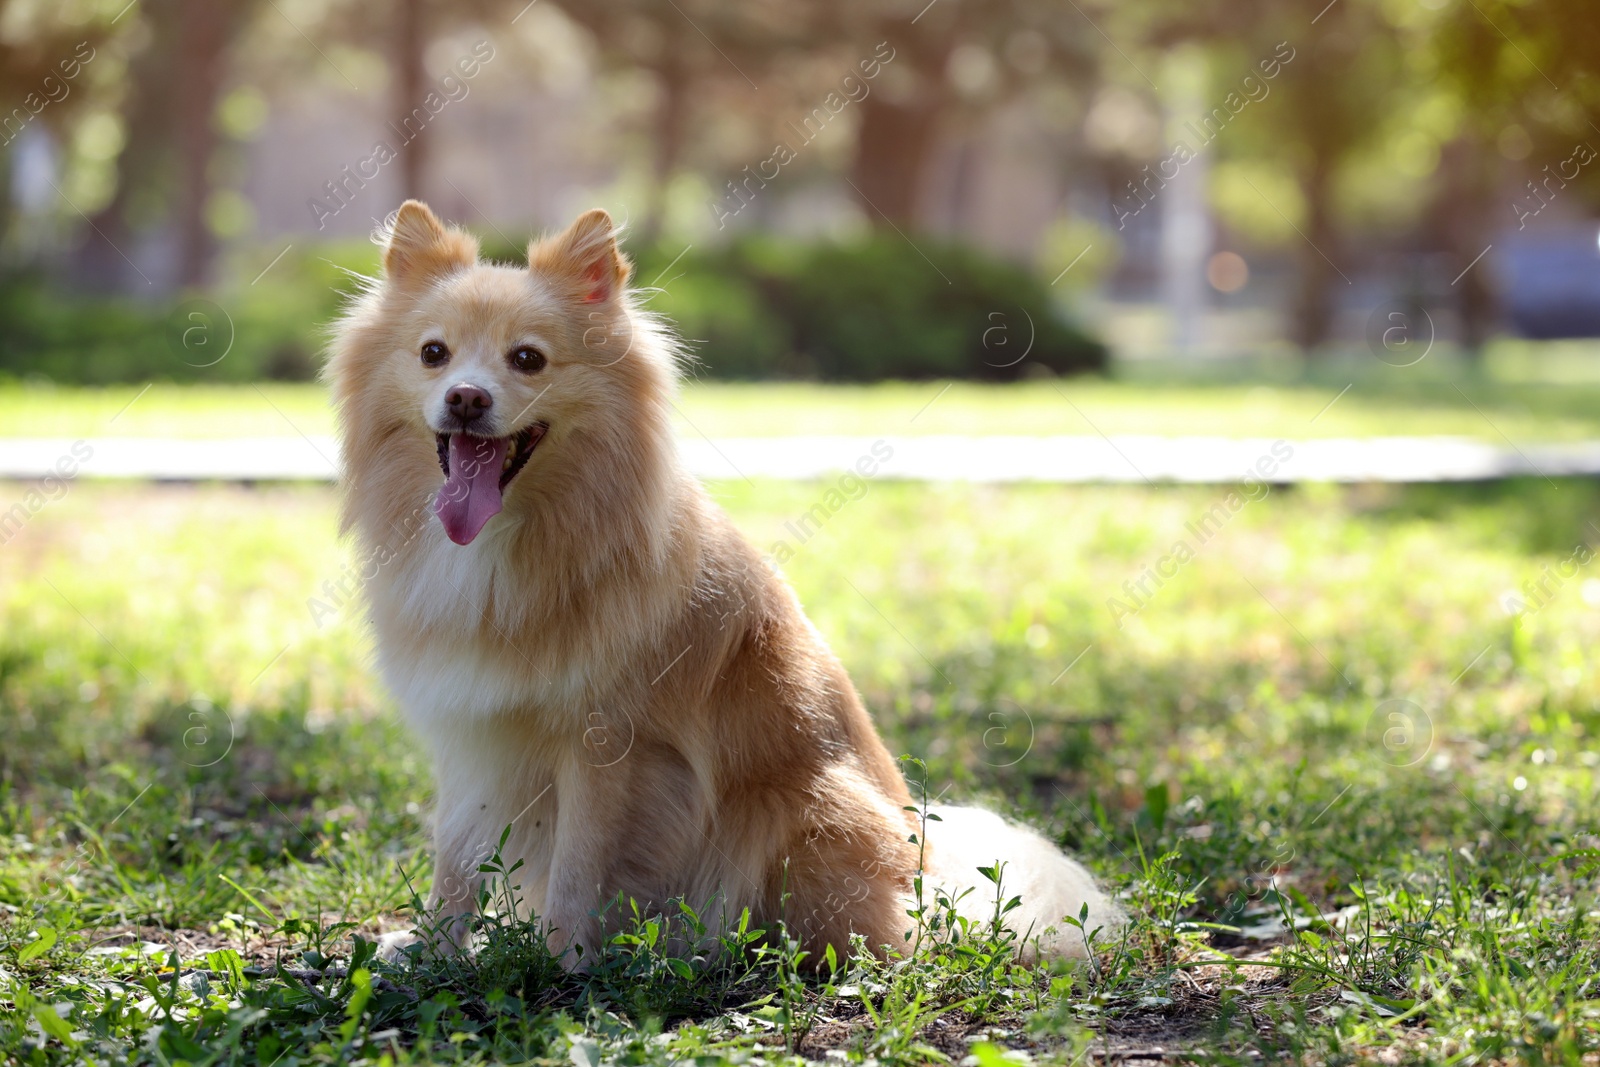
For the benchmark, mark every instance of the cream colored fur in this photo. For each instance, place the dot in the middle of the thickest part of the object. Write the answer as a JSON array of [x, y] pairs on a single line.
[[609, 668]]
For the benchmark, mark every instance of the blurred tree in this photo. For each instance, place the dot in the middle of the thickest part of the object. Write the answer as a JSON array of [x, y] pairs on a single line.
[[1337, 91], [206, 28], [1462, 220], [700, 56], [1327, 103], [1470, 56], [674, 75], [399, 34], [692, 50], [899, 122], [44, 79], [407, 80], [953, 65], [776, 66], [1523, 74], [144, 112], [168, 113]]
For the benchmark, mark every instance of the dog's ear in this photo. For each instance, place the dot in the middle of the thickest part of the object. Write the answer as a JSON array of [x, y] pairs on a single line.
[[583, 259], [419, 246]]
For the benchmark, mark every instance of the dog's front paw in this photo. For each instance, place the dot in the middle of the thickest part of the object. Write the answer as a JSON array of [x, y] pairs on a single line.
[[392, 946], [573, 943]]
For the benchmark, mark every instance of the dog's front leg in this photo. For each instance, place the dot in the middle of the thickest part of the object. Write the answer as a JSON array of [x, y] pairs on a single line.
[[589, 835], [451, 902], [457, 883]]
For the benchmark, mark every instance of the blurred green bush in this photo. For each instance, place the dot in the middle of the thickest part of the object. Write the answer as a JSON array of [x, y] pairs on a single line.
[[865, 310], [868, 309], [273, 329]]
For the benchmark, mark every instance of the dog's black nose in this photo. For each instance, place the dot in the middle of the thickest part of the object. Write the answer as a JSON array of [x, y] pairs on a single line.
[[468, 402]]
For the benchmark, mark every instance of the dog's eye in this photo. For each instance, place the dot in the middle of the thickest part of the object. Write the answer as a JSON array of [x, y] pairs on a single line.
[[527, 359], [435, 354]]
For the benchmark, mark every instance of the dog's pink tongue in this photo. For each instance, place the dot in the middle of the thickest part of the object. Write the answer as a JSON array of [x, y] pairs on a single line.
[[471, 495]]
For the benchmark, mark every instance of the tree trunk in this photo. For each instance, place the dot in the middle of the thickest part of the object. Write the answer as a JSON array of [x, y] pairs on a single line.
[[147, 110], [895, 138], [672, 114], [409, 78], [893, 145], [204, 35], [1469, 194], [1314, 303]]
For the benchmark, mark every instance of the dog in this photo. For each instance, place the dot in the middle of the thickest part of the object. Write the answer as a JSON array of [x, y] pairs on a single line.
[[619, 693]]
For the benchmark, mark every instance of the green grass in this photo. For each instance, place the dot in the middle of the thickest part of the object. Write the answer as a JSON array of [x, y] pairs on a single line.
[[1509, 401], [1348, 796]]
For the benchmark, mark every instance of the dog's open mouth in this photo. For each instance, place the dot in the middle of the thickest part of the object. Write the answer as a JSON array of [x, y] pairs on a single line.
[[476, 473]]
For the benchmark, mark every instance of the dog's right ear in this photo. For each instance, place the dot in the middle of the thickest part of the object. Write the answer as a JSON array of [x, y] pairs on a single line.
[[419, 247]]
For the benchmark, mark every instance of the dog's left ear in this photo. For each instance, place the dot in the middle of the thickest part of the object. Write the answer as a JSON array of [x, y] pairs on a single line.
[[584, 259]]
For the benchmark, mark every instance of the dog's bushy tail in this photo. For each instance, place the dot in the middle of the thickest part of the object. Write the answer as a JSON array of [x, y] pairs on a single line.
[[1051, 885]]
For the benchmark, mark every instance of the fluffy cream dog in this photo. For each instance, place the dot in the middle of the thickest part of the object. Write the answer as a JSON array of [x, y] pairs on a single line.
[[593, 654]]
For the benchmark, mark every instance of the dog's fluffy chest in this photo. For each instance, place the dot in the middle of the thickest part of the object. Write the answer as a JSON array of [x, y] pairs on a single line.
[[451, 648]]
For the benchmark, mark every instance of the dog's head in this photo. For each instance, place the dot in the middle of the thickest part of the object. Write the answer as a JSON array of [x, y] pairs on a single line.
[[485, 370]]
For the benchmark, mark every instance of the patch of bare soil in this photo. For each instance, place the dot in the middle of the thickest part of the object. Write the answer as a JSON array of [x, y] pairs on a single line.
[[255, 950]]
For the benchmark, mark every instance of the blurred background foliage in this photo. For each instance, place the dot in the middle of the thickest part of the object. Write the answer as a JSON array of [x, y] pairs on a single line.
[[846, 191]]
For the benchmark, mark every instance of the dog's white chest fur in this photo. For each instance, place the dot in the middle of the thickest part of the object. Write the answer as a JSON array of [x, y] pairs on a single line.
[[467, 664]]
